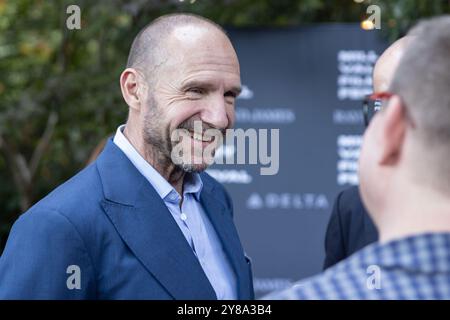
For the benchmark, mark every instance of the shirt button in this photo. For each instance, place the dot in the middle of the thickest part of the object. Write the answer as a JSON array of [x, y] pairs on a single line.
[[183, 216]]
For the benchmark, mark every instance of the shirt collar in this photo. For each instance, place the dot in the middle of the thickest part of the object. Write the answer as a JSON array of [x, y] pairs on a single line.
[[192, 182]]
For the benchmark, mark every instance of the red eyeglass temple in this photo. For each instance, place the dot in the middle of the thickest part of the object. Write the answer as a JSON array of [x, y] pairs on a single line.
[[381, 95]]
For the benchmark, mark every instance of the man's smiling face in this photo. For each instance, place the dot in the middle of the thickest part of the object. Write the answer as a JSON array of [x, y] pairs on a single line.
[[198, 81]]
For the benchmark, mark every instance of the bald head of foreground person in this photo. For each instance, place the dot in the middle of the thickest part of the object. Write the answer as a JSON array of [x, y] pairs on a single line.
[[387, 63], [350, 227], [143, 221]]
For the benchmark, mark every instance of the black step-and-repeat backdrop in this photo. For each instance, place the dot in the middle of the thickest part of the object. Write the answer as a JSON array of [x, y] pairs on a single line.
[[308, 82]]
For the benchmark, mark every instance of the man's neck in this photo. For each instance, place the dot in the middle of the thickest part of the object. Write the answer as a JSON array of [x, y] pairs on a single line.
[[414, 210], [173, 174]]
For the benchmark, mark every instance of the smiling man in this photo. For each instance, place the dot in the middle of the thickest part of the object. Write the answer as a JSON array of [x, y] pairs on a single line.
[[143, 222]]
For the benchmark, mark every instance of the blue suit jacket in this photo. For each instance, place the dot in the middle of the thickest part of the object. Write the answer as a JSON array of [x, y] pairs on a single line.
[[350, 228], [109, 221]]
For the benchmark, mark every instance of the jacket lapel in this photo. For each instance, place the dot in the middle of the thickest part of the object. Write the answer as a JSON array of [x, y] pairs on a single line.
[[226, 231], [147, 227]]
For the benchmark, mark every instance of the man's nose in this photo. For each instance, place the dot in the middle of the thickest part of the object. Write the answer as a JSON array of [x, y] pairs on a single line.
[[215, 113]]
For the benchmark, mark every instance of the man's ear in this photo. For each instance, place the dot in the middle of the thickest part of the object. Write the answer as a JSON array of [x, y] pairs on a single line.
[[131, 85], [393, 128]]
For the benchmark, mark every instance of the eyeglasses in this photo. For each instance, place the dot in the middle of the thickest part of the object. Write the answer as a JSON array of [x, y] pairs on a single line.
[[374, 103]]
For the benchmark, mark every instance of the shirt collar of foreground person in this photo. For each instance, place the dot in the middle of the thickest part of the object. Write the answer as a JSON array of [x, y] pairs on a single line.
[[416, 267]]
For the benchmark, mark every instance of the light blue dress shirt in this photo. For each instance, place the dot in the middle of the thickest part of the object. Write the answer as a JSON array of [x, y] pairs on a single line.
[[190, 218]]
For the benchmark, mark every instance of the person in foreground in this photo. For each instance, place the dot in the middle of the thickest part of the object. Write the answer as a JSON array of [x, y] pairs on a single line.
[[140, 223], [405, 185], [350, 227]]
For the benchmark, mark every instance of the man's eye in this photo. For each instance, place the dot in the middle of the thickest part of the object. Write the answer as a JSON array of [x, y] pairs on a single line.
[[230, 94], [230, 97], [195, 90]]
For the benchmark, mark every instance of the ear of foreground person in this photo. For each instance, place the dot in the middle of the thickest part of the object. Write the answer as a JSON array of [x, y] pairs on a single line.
[[405, 185]]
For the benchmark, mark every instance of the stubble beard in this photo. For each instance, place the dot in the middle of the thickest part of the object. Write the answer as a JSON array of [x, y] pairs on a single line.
[[159, 143]]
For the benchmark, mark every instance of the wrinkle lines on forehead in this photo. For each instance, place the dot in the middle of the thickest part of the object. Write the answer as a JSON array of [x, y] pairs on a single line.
[[204, 66], [205, 52], [205, 69]]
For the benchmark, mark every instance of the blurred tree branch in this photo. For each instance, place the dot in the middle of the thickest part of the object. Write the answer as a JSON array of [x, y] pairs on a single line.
[[43, 143], [24, 173]]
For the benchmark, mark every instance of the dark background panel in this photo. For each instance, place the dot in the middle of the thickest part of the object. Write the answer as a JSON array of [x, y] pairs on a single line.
[[296, 71]]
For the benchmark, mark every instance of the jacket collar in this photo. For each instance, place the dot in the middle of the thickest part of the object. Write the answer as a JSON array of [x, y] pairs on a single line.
[[147, 227]]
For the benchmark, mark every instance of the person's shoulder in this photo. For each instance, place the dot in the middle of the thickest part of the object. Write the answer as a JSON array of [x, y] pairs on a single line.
[[78, 196], [350, 195], [347, 279], [349, 203], [42, 223], [41, 245], [73, 208]]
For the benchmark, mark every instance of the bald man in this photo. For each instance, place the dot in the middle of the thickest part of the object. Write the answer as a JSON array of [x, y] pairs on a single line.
[[144, 221], [350, 228]]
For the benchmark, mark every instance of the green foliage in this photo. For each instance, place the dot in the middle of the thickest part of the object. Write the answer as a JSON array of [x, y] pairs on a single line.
[[59, 92]]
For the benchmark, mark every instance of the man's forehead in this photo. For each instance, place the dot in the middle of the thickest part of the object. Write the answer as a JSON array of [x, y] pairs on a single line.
[[198, 39], [210, 71], [213, 76], [193, 49], [202, 58], [189, 33]]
